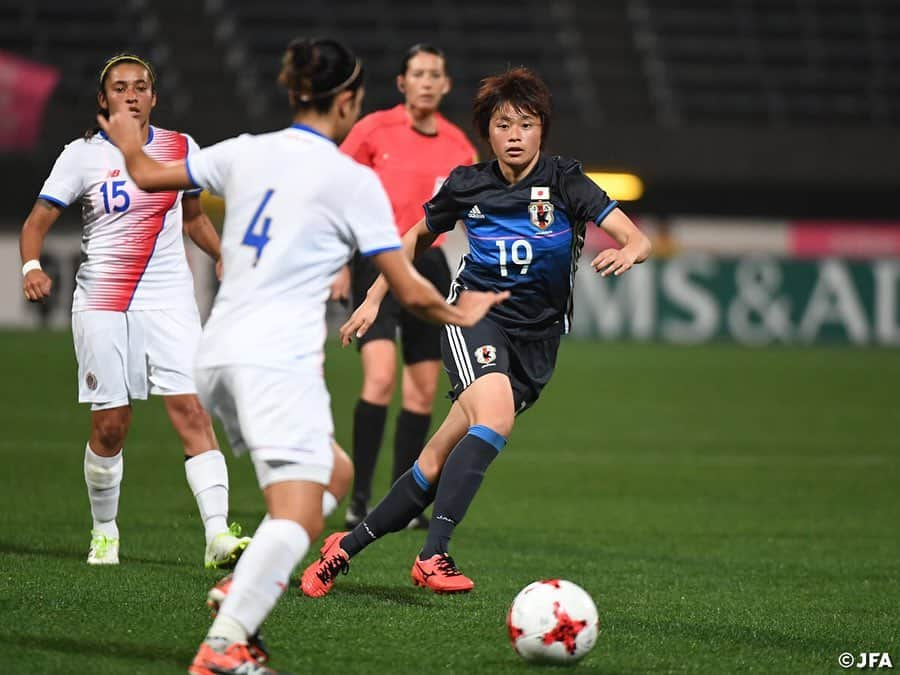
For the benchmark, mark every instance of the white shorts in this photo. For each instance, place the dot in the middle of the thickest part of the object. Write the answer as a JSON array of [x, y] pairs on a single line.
[[282, 416], [128, 355]]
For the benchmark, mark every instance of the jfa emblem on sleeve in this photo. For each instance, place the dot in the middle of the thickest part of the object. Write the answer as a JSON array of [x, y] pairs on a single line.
[[486, 355]]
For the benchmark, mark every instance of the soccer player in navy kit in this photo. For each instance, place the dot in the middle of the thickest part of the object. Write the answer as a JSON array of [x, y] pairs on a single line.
[[525, 214]]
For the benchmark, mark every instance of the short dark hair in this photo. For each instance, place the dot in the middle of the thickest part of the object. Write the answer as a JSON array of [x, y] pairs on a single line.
[[315, 70], [420, 48], [518, 87]]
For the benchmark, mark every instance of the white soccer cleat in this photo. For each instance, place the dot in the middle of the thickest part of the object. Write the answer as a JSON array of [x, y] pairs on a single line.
[[104, 550], [225, 548]]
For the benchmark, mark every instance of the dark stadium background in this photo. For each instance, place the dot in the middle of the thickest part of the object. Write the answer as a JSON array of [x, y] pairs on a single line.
[[716, 460]]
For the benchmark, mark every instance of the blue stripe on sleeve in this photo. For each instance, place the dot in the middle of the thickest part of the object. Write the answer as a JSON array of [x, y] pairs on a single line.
[[376, 251], [605, 212], [53, 200], [488, 435], [419, 477], [187, 165]]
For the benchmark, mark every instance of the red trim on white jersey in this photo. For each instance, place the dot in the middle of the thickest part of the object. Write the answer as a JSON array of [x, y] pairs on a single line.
[[140, 227]]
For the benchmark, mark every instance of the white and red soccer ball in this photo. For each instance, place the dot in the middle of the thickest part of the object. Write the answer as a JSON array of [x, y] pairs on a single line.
[[552, 621]]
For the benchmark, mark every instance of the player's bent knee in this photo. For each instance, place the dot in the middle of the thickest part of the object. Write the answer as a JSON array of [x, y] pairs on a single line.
[[378, 388], [419, 400], [189, 414], [501, 424], [430, 464], [109, 432]]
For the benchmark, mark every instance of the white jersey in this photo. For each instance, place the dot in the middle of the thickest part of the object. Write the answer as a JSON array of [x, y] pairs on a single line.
[[132, 250], [295, 210]]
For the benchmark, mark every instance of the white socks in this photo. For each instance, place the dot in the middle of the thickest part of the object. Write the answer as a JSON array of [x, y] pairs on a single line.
[[207, 475], [329, 503], [103, 477], [261, 576]]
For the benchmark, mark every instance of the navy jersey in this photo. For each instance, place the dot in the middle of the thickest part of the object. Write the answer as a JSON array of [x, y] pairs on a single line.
[[525, 238]]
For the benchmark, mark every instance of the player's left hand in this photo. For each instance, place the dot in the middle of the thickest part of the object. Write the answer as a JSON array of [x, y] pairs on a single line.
[[219, 269], [122, 129], [615, 261], [359, 322]]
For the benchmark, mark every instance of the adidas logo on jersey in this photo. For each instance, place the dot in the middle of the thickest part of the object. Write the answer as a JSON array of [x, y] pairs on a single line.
[[475, 213]]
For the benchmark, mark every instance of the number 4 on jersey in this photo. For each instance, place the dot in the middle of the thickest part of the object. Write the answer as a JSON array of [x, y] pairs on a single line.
[[258, 240]]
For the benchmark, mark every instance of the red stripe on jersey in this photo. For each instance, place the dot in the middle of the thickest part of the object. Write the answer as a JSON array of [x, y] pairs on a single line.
[[144, 221]]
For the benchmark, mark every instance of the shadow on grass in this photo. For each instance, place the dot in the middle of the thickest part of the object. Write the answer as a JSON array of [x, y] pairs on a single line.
[[412, 597], [93, 647], [12, 548]]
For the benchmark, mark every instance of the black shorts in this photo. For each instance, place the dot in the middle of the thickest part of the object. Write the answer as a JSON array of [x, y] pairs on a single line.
[[484, 348], [420, 340]]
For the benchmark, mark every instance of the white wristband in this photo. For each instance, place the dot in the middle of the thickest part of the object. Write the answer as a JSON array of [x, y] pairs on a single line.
[[33, 264]]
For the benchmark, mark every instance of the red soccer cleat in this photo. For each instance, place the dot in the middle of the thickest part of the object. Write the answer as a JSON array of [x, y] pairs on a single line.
[[440, 574], [214, 600], [234, 660], [319, 577]]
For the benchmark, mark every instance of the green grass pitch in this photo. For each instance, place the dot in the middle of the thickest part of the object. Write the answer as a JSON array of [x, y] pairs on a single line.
[[730, 510]]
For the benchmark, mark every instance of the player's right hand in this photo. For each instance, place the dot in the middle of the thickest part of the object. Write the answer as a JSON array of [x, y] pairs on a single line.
[[122, 129], [36, 285], [475, 304], [359, 322]]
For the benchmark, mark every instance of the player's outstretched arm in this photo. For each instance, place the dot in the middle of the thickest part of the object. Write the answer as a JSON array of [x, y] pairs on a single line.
[[421, 298], [125, 133], [417, 295], [635, 246], [36, 284], [416, 240]]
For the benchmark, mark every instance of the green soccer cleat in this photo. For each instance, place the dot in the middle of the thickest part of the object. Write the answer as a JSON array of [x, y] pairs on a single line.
[[225, 548], [104, 550]]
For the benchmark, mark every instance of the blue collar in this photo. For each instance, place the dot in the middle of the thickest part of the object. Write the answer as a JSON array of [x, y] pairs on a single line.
[[303, 127], [149, 136]]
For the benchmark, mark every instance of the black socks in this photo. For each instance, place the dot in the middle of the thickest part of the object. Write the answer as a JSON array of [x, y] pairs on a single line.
[[407, 498], [409, 439], [460, 479], [368, 432]]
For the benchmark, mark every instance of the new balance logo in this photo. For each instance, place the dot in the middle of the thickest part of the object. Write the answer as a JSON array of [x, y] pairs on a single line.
[[475, 213]]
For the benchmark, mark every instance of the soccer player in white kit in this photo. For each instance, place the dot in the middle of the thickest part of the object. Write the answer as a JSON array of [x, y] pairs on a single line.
[[295, 210], [134, 317]]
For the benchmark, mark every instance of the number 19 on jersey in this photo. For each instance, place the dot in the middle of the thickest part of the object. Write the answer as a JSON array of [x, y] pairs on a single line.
[[520, 253]]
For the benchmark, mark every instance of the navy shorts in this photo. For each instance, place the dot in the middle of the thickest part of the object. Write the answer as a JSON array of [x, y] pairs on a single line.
[[420, 340], [470, 353]]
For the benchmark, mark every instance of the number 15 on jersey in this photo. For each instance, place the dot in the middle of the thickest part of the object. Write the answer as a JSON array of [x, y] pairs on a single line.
[[254, 239]]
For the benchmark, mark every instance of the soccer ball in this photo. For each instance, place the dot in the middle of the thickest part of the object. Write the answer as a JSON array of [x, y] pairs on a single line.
[[552, 621]]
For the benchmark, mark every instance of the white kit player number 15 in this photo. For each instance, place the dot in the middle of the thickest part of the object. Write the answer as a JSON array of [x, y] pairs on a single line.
[[114, 195]]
